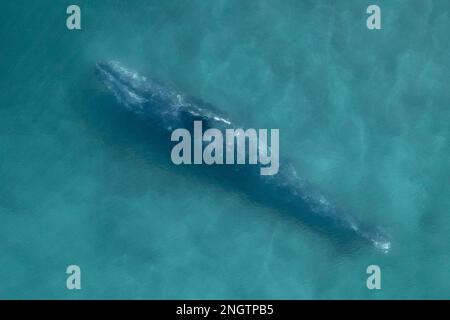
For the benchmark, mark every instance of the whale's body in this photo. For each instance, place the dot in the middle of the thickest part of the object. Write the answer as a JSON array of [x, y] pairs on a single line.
[[166, 109]]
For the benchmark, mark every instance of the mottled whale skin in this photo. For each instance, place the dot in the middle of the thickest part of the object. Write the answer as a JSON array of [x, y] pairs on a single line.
[[165, 108]]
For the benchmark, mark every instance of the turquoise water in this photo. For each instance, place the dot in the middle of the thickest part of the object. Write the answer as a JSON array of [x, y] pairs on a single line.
[[363, 114]]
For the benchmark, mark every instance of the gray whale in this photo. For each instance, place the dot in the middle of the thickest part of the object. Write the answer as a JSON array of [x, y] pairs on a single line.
[[165, 108]]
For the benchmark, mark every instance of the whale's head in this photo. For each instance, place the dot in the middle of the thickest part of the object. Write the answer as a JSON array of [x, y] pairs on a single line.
[[130, 88], [139, 94]]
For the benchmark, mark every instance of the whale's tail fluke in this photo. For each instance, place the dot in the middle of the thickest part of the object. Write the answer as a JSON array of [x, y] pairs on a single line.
[[378, 238]]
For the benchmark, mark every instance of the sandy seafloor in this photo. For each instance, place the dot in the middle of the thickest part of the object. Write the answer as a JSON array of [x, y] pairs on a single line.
[[363, 114]]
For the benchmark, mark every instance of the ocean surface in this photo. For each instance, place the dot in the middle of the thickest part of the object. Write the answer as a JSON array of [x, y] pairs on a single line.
[[364, 115]]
